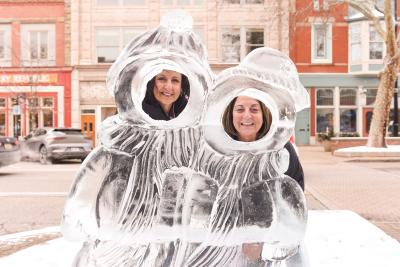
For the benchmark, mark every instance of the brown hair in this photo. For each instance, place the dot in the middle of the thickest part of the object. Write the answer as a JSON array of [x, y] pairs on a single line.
[[227, 120]]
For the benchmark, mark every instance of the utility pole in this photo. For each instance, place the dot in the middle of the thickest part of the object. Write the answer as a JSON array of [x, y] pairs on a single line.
[[395, 129]]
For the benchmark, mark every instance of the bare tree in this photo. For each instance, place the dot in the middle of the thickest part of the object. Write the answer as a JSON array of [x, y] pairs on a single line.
[[371, 11]]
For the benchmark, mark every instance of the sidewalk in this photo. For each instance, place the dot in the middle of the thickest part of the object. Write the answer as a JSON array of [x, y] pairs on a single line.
[[338, 183]]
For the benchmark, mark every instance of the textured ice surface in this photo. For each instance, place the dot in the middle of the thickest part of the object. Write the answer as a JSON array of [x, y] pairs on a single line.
[[182, 192]]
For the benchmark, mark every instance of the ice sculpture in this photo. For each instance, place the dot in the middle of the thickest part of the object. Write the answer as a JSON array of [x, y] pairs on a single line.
[[182, 192]]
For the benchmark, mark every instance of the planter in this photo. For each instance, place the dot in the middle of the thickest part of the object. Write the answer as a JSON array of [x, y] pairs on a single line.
[[327, 144]]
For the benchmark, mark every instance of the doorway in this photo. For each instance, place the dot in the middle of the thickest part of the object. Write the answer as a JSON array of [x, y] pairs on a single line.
[[302, 128], [88, 127]]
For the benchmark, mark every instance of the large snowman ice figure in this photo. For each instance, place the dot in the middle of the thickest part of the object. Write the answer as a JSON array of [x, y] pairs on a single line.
[[114, 199]]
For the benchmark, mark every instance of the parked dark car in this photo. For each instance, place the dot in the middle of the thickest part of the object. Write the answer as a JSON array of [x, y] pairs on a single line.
[[9, 151], [51, 144]]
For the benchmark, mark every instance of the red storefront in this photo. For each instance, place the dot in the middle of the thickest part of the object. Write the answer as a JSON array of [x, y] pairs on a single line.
[[30, 100], [35, 79]]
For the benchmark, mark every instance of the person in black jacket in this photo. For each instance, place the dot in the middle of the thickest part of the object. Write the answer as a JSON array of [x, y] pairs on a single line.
[[247, 119], [167, 95]]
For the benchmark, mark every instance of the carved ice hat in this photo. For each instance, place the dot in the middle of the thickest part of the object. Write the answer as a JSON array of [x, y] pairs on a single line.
[[171, 46]]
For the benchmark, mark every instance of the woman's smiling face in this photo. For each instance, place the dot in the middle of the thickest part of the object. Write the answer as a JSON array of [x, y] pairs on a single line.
[[247, 118], [167, 88]]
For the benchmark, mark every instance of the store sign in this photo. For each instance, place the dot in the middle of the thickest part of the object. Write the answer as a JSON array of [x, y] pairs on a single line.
[[28, 78]]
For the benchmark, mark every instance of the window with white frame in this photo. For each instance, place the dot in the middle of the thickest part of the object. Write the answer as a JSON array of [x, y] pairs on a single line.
[[348, 110], [236, 43], [366, 48], [110, 42], [5, 45], [183, 2], [371, 96], [317, 5], [321, 44], [200, 32], [119, 2], [40, 112], [355, 42], [38, 44], [324, 110], [244, 1], [375, 44]]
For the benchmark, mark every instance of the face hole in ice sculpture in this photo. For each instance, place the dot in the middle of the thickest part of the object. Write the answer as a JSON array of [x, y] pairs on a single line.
[[167, 95], [246, 119]]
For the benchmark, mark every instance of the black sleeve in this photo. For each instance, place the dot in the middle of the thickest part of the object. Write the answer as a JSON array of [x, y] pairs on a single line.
[[294, 170]]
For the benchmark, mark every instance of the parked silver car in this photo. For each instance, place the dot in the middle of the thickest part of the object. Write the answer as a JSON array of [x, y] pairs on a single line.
[[9, 151], [51, 144]]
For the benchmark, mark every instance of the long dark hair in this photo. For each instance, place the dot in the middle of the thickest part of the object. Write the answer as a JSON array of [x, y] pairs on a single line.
[[227, 120]]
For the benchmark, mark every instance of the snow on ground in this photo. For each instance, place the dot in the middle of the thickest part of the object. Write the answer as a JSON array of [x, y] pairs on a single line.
[[333, 238], [364, 151]]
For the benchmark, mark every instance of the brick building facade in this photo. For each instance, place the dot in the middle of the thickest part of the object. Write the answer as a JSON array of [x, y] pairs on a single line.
[[35, 83], [101, 28], [338, 54]]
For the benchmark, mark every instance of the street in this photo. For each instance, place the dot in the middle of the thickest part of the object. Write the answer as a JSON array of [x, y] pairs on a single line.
[[32, 195]]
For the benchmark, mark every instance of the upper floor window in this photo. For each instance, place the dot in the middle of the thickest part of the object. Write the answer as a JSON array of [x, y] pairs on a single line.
[[183, 2], [366, 48], [355, 42], [317, 4], [119, 2], [375, 44], [244, 1], [321, 43], [236, 43], [110, 42], [38, 44], [5, 45]]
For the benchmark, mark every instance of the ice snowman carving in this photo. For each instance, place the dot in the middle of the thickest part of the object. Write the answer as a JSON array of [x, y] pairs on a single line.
[[255, 202], [114, 201]]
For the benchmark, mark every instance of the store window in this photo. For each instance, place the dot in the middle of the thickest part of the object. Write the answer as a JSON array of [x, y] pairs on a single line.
[[2, 102], [2, 123], [325, 97], [38, 44], [348, 97], [33, 120], [324, 110], [48, 118], [348, 110], [5, 45], [348, 120], [321, 43], [33, 102], [110, 42], [371, 96], [47, 102], [236, 43]]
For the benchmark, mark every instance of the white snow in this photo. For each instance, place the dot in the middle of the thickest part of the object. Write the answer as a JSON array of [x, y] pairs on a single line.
[[364, 151], [333, 238]]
